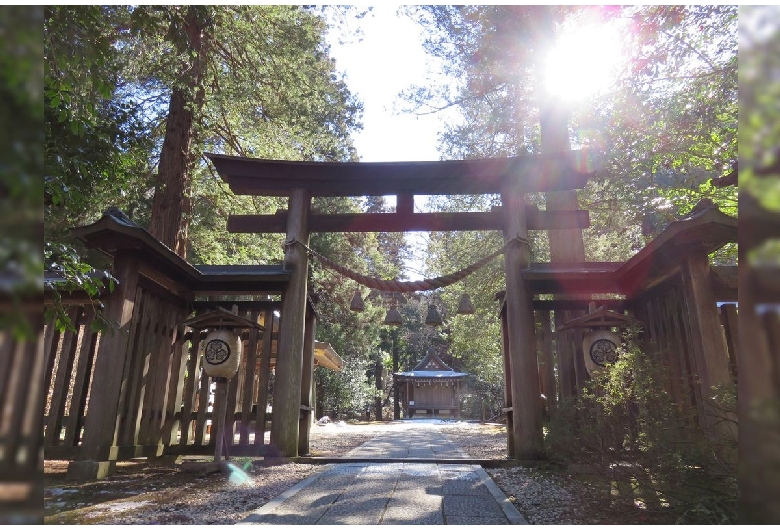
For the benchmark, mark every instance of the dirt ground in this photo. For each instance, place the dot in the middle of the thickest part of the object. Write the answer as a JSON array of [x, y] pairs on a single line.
[[159, 492]]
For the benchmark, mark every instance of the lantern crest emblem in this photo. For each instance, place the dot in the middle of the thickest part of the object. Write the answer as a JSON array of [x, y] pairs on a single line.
[[217, 351]]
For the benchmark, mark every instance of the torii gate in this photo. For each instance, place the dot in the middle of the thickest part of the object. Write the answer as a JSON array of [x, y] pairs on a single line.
[[511, 178]]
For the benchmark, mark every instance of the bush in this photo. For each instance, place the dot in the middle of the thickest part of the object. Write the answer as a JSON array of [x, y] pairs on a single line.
[[626, 426], [344, 394]]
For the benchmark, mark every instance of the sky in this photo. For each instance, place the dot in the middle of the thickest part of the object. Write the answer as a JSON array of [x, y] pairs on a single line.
[[386, 60]]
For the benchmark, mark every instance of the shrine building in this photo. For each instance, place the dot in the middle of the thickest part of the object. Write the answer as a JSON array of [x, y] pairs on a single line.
[[431, 387]]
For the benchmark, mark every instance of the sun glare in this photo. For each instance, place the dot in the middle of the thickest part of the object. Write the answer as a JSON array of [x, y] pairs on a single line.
[[583, 62]]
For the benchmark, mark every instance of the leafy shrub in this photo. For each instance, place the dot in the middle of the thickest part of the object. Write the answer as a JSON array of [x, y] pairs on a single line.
[[627, 427]]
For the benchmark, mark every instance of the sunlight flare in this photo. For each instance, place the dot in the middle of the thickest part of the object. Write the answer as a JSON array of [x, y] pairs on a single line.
[[583, 62]]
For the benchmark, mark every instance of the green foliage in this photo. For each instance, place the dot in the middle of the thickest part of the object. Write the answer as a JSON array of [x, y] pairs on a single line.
[[97, 144], [670, 124], [21, 165], [625, 425], [73, 274], [344, 394]]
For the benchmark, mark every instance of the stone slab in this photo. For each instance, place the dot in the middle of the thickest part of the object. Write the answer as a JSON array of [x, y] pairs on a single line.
[[468, 505], [395, 492]]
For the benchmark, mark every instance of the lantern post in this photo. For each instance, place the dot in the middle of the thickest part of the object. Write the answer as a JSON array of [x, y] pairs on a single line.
[[222, 351]]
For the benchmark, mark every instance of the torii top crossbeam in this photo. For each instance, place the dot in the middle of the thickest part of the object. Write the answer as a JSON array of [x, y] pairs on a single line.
[[537, 173]]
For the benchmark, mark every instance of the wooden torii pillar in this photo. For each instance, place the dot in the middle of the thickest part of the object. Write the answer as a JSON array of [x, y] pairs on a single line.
[[524, 416], [289, 357]]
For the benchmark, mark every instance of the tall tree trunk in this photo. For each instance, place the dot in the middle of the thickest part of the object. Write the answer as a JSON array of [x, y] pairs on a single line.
[[172, 206], [379, 386], [565, 245]]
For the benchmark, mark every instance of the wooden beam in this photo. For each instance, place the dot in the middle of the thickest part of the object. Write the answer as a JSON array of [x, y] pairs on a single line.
[[510, 435], [307, 384], [404, 204], [409, 222], [710, 350], [252, 176], [103, 412], [561, 304]]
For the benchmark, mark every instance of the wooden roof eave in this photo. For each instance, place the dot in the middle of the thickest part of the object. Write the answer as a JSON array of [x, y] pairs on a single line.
[[111, 234], [600, 318], [424, 379], [705, 232], [220, 317], [431, 356], [326, 356], [252, 176]]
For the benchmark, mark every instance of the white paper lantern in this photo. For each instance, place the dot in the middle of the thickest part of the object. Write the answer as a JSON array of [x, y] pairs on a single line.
[[600, 349], [221, 353]]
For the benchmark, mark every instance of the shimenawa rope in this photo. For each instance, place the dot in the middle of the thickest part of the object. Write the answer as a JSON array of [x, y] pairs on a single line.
[[397, 286]]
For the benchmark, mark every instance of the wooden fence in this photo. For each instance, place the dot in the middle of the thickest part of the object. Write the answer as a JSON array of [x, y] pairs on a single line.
[[667, 336], [21, 401], [166, 400]]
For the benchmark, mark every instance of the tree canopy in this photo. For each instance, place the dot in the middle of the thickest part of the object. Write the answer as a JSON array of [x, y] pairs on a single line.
[[657, 134], [128, 118]]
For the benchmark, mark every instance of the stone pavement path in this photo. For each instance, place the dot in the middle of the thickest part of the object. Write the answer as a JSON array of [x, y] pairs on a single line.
[[394, 493]]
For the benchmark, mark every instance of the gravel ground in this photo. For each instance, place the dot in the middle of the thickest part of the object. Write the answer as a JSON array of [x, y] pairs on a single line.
[[545, 494], [155, 493]]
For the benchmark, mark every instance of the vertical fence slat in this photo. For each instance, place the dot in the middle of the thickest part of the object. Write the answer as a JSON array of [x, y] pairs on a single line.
[[33, 428], [175, 387], [78, 399], [62, 380], [146, 361], [685, 342], [230, 410], [271, 324], [547, 348], [166, 337], [126, 424], [51, 344], [12, 355], [23, 364], [190, 388], [7, 345], [133, 369], [728, 315], [203, 404], [675, 353], [249, 383]]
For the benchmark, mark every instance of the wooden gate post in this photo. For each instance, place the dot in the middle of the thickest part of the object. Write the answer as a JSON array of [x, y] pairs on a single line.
[[526, 408], [97, 456], [510, 431], [218, 422], [289, 356], [307, 383], [548, 365], [709, 343]]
